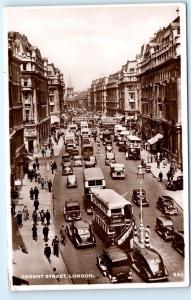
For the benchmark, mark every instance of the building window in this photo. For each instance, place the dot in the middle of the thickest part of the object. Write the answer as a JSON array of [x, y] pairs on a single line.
[[132, 95], [24, 66], [132, 105], [132, 70], [25, 82]]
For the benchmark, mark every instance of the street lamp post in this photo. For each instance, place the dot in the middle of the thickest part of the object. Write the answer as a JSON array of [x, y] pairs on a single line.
[[140, 176]]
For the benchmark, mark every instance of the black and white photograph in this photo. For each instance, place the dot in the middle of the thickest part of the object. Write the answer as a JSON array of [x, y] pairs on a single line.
[[98, 144]]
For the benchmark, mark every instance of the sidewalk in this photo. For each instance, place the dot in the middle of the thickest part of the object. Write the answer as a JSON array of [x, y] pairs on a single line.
[[176, 195], [34, 262]]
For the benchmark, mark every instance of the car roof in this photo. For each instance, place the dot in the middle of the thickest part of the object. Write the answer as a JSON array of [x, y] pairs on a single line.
[[118, 165], [77, 157], [93, 174], [150, 253], [115, 254], [71, 202], [167, 198], [66, 154], [110, 198], [71, 176], [164, 218], [81, 224], [110, 154], [67, 164]]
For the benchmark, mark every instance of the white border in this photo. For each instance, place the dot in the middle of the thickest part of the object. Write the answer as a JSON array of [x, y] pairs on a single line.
[[184, 112]]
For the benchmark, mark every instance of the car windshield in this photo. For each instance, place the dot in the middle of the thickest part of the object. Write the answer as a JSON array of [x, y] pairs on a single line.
[[167, 223], [118, 169], [120, 263], [83, 231], [155, 264], [72, 208]]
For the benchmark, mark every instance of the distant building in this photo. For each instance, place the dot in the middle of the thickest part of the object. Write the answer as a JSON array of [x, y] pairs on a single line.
[[56, 90], [34, 92], [128, 95], [112, 91], [16, 126], [101, 95], [160, 91]]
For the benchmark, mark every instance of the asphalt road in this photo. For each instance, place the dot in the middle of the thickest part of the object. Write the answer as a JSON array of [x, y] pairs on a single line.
[[83, 261]]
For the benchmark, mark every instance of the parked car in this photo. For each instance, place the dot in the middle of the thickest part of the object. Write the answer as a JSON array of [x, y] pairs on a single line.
[[175, 185], [77, 161], [91, 162], [178, 241], [114, 263], [136, 197], [117, 170], [109, 158], [122, 146], [72, 181], [72, 210], [166, 205], [148, 263], [81, 235], [165, 227], [67, 168]]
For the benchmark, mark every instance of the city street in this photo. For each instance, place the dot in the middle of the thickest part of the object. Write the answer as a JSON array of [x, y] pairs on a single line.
[[84, 260]]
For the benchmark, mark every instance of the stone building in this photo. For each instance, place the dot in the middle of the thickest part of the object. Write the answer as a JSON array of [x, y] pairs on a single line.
[[16, 126], [159, 77], [112, 92], [101, 95], [34, 86], [56, 93], [128, 94]]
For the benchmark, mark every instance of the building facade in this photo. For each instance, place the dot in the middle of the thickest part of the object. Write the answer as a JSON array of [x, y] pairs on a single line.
[[128, 90], [159, 77], [16, 126], [112, 91], [34, 87], [101, 95], [56, 93]]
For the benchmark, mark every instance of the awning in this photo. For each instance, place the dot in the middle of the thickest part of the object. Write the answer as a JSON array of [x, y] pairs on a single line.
[[55, 119], [155, 139]]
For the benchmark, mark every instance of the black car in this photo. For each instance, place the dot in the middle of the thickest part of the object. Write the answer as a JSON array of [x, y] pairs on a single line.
[[81, 235], [166, 205], [67, 168], [136, 197], [178, 241], [65, 157], [175, 185], [122, 146], [165, 227], [72, 210], [114, 263], [148, 263]]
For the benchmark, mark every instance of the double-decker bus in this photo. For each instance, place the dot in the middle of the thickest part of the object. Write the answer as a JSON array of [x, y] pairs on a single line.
[[133, 144], [112, 218], [93, 178]]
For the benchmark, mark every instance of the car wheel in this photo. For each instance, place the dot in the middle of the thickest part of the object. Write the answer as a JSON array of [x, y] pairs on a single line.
[[144, 275]]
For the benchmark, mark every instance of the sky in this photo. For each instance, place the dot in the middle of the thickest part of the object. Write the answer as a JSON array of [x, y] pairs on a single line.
[[86, 42]]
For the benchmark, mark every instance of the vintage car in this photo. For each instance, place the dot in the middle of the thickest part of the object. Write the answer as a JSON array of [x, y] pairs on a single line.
[[70, 147], [65, 157], [114, 264], [91, 162], [67, 168], [117, 170], [165, 227], [94, 132], [74, 152], [108, 148], [72, 181], [148, 263], [122, 146], [107, 142], [109, 158], [175, 185], [166, 205], [178, 241], [72, 210], [77, 161], [136, 197], [81, 235]]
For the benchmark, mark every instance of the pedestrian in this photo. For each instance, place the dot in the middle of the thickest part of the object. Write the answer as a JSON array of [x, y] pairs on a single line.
[[52, 168], [19, 219], [34, 232], [31, 193], [47, 252], [36, 204], [35, 217], [25, 213], [37, 165], [47, 216], [13, 208], [39, 178], [50, 186], [42, 216], [36, 193], [160, 176], [160, 157], [168, 174], [55, 244], [35, 176], [54, 165], [46, 183], [34, 166], [45, 232], [42, 183], [36, 160], [63, 235], [158, 163]]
